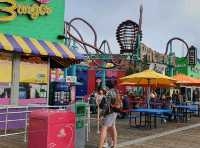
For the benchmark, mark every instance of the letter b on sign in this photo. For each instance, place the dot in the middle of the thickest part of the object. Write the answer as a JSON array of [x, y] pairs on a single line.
[[7, 13]]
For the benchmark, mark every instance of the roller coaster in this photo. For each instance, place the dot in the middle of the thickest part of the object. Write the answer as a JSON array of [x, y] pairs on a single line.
[[128, 36]]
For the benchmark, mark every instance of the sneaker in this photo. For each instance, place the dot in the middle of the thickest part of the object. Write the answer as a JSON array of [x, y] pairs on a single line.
[[110, 144], [105, 145]]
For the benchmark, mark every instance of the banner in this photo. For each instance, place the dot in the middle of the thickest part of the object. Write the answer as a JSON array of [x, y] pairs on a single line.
[[71, 79], [160, 68], [5, 71], [33, 73], [29, 72]]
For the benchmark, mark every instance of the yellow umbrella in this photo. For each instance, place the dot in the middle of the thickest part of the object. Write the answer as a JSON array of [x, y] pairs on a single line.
[[149, 78], [171, 85]]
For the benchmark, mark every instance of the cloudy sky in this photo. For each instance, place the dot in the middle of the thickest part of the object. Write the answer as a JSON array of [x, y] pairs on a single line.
[[162, 20]]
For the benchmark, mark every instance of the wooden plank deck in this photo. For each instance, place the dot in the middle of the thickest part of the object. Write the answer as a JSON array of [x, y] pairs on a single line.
[[187, 138], [14, 141]]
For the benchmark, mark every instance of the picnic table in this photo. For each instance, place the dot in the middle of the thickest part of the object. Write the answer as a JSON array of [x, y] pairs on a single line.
[[148, 113], [182, 111]]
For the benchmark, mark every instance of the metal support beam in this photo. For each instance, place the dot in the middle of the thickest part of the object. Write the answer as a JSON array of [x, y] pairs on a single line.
[[104, 76], [171, 68], [15, 79]]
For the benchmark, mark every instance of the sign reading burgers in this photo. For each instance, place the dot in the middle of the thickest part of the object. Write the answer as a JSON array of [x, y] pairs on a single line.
[[11, 9]]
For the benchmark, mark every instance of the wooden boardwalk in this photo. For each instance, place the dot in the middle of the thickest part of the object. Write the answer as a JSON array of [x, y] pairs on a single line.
[[15, 141], [182, 139]]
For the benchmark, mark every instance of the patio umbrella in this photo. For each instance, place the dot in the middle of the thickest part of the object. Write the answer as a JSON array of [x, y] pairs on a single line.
[[152, 85], [186, 80], [148, 78], [198, 80]]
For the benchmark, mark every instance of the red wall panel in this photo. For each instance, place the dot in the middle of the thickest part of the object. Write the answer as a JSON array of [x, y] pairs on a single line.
[[120, 74], [91, 81]]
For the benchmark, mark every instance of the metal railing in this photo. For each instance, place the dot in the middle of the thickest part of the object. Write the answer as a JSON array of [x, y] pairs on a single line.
[[24, 111], [6, 111]]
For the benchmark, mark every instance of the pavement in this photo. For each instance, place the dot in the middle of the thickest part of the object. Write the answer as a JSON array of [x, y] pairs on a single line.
[[156, 139], [169, 135], [184, 139], [152, 138]]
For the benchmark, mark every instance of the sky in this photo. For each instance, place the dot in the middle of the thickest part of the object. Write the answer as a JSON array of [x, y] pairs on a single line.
[[162, 20]]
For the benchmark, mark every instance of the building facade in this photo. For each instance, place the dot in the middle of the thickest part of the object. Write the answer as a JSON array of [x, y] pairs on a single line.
[[151, 55], [183, 67]]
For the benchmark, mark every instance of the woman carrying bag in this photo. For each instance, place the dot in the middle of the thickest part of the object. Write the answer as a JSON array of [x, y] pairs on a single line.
[[110, 105]]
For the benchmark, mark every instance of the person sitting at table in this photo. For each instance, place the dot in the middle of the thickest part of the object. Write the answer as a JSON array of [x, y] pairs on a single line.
[[155, 94], [166, 102], [125, 107], [174, 97], [153, 97]]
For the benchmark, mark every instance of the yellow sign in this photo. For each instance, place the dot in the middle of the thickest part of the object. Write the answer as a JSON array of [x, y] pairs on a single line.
[[10, 10], [33, 73], [29, 72], [5, 71], [34, 11]]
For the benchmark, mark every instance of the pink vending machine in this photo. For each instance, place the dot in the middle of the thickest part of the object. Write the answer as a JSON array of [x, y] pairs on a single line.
[[51, 129]]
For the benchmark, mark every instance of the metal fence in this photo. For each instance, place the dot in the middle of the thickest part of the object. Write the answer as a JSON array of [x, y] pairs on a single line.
[[19, 115], [14, 118]]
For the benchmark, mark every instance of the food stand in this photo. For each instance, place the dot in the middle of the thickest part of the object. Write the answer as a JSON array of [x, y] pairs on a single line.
[[183, 67], [29, 49]]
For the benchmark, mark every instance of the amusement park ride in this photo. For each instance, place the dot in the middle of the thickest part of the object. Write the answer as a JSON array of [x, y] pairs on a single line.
[[129, 37], [191, 55]]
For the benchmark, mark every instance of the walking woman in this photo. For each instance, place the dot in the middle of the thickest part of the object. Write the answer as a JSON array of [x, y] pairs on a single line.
[[110, 105]]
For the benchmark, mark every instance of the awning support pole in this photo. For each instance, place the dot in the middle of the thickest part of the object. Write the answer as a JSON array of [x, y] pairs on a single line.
[[48, 79], [15, 79], [148, 94]]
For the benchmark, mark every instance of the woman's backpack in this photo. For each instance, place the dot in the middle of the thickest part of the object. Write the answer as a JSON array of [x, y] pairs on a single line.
[[104, 106], [109, 103]]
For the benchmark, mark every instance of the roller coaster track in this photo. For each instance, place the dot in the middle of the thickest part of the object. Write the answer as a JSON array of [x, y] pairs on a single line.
[[99, 51]]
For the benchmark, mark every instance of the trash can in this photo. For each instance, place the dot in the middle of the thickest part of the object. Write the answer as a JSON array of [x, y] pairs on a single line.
[[81, 111], [51, 129]]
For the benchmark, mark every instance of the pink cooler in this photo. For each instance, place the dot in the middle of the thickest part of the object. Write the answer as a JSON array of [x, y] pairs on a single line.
[[51, 129]]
